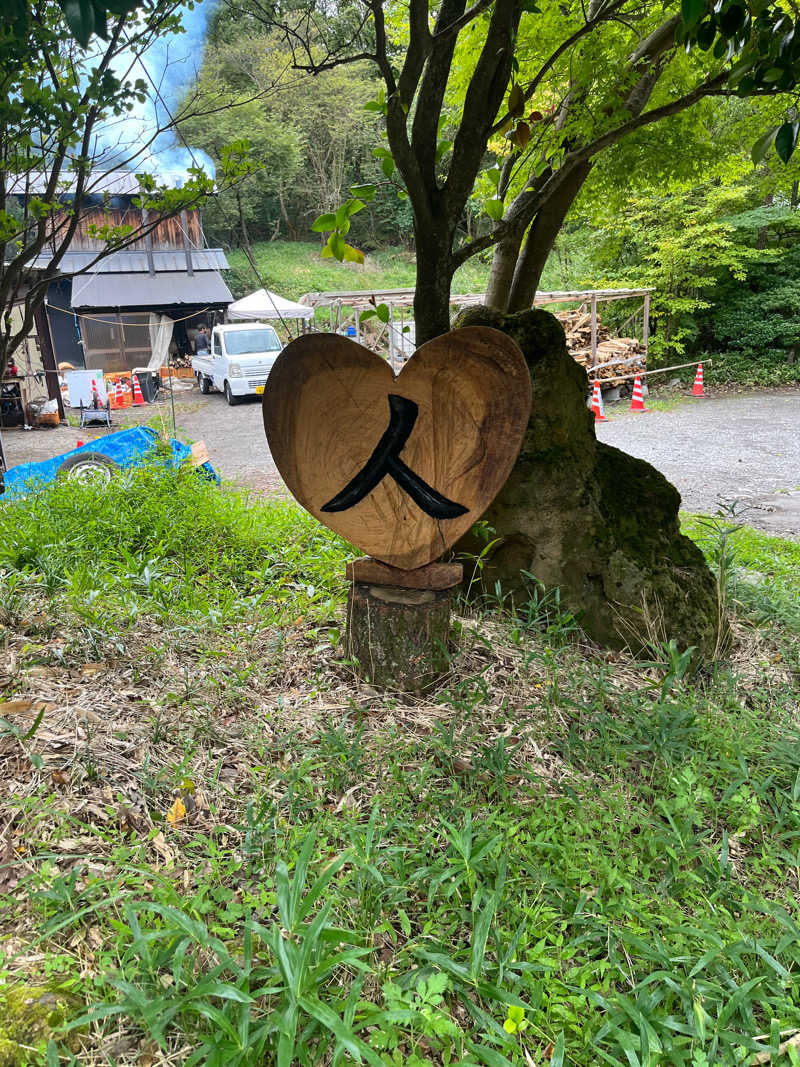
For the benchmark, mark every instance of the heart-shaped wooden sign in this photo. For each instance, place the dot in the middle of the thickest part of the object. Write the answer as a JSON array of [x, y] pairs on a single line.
[[400, 465]]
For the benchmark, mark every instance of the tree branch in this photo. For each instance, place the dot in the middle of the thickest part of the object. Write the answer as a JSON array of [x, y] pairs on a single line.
[[582, 31], [458, 24]]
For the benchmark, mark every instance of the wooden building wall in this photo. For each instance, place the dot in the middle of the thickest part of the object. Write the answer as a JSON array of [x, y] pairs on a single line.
[[167, 234]]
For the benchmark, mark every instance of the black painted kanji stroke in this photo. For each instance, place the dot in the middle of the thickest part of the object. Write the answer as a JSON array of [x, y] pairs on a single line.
[[386, 460]]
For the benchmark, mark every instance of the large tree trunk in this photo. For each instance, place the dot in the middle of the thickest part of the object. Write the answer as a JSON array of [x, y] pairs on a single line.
[[501, 277], [432, 293], [545, 228]]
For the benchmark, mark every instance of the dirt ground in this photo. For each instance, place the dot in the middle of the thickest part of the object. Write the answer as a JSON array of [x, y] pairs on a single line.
[[743, 447]]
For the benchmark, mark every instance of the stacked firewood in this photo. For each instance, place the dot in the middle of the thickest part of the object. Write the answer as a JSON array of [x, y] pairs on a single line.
[[578, 329]]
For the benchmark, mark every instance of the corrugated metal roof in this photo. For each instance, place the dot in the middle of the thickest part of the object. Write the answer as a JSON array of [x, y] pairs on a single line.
[[133, 261], [110, 291], [116, 182]]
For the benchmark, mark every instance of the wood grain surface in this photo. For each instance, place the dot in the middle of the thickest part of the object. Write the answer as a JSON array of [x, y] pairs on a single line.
[[326, 410], [369, 571]]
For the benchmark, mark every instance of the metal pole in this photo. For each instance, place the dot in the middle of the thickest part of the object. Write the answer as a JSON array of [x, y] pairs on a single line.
[[171, 393], [390, 325], [594, 331], [660, 370]]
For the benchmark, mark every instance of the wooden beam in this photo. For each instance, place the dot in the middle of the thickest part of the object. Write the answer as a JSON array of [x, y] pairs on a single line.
[[646, 324], [48, 359]]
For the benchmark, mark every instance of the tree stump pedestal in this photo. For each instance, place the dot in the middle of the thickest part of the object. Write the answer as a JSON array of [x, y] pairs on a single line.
[[398, 622]]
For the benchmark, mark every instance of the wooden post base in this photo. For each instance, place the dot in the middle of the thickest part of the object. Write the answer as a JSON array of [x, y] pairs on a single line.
[[398, 634]]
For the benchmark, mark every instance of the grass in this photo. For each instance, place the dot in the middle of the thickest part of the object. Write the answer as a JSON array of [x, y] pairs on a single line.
[[219, 847], [293, 268], [761, 572]]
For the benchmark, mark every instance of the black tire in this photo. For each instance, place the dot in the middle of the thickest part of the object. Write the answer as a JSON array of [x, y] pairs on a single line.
[[88, 466], [231, 399], [205, 383]]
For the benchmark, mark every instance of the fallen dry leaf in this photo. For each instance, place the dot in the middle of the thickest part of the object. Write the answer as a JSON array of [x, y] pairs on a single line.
[[25, 707], [163, 849], [9, 866], [177, 812]]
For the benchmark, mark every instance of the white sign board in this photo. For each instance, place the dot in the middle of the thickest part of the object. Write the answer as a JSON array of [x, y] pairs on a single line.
[[79, 384]]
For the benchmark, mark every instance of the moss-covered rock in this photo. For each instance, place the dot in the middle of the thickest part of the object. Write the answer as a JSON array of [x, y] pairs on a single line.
[[29, 1015], [593, 521]]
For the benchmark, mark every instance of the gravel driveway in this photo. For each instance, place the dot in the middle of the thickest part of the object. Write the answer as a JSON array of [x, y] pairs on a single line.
[[742, 447]]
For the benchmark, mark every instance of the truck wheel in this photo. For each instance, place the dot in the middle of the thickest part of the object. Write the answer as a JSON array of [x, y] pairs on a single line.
[[232, 400], [88, 467], [205, 383]]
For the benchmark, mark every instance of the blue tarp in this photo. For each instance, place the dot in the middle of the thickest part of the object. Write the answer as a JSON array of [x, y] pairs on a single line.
[[128, 448]]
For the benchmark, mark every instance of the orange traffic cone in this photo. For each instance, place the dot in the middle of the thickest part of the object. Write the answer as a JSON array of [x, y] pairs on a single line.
[[119, 397], [697, 388], [95, 395], [597, 404], [637, 399], [137, 391]]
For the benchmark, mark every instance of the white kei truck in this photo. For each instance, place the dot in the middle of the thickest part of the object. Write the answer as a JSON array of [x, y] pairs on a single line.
[[239, 360]]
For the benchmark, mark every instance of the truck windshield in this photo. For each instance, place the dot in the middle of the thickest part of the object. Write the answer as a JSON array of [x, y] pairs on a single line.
[[245, 342]]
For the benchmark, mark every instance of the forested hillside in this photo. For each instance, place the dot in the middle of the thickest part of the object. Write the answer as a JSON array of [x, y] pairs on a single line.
[[681, 207]]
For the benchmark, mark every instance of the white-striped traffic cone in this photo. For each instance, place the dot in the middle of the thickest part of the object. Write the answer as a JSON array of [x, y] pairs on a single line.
[[597, 404], [637, 399], [697, 388]]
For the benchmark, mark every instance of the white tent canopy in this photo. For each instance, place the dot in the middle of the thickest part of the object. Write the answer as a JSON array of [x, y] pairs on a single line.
[[266, 305]]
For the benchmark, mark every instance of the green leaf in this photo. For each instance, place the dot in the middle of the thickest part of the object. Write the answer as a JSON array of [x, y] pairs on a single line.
[[442, 148], [337, 245], [738, 71], [762, 145], [100, 24], [382, 311], [494, 209], [342, 215], [387, 166], [691, 10], [80, 19], [354, 206], [557, 1059], [706, 32], [493, 174], [732, 19], [352, 255], [773, 74], [323, 222], [488, 1056], [343, 1033], [363, 192], [516, 100], [786, 140]]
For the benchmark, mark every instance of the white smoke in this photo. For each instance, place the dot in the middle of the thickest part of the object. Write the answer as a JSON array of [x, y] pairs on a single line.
[[168, 69]]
